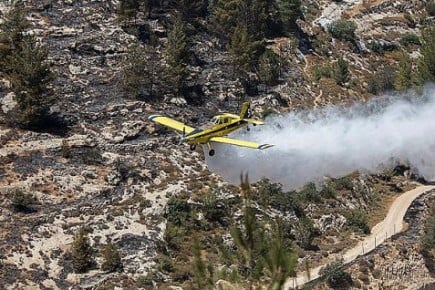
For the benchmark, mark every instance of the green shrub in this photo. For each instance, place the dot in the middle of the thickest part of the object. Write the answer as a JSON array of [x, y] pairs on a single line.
[[428, 239], [335, 275], [343, 29], [22, 202], [382, 80], [166, 264], [328, 191], [173, 236], [111, 258], [357, 220], [305, 232], [271, 194], [410, 39], [147, 281], [215, 210], [339, 71], [322, 71], [177, 211], [376, 46], [309, 193], [343, 183], [268, 68]]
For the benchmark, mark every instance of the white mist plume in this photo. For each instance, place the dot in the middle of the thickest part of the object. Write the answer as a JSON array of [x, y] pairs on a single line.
[[336, 141]]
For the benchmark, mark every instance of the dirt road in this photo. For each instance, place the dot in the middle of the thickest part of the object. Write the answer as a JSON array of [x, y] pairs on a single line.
[[391, 225]]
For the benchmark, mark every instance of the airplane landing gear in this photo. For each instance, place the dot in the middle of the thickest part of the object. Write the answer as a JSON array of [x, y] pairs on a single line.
[[248, 129], [211, 151], [192, 147]]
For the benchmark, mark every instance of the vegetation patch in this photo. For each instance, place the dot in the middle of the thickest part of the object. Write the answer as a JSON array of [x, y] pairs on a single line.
[[22, 201], [343, 29], [336, 276], [357, 220], [428, 239]]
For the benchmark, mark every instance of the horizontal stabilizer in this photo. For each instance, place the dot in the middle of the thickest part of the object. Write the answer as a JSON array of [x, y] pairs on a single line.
[[253, 121], [240, 143]]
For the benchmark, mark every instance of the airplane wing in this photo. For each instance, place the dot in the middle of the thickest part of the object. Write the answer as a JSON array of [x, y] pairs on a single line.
[[171, 123], [240, 143]]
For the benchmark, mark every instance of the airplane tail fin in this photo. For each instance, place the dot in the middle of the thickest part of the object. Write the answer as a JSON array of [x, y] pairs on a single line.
[[246, 111]]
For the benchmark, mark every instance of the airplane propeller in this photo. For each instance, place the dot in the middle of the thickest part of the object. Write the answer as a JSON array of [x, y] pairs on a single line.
[[182, 136]]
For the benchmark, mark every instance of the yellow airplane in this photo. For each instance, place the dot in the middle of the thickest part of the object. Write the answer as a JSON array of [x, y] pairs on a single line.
[[222, 125]]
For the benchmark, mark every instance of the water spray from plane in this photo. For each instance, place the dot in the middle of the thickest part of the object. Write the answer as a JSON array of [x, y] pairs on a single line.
[[335, 141]]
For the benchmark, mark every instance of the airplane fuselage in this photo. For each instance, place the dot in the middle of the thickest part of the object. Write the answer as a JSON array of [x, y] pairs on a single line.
[[219, 130]]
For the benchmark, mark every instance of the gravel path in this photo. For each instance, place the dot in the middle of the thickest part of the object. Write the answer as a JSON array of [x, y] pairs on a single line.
[[391, 225]]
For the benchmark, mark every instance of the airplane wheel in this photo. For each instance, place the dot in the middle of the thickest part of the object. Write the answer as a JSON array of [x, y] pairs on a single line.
[[192, 147], [248, 129], [211, 152]]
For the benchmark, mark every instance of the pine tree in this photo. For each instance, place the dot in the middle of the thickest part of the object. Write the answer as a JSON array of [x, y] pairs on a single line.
[[305, 232], [24, 63], [268, 68], [226, 16], [189, 9], [149, 5], [257, 18], [242, 48], [111, 258], [254, 15], [426, 65], [11, 34], [81, 252], [290, 11], [30, 76], [404, 73], [140, 71], [127, 10], [341, 71], [176, 54]]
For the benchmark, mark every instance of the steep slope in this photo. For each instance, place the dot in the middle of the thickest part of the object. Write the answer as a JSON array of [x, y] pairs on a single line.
[[112, 172]]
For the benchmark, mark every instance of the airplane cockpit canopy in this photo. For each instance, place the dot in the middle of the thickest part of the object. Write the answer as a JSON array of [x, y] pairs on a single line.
[[220, 120]]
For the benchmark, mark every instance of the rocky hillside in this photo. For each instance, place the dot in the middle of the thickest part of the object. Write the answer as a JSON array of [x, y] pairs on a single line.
[[106, 169]]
